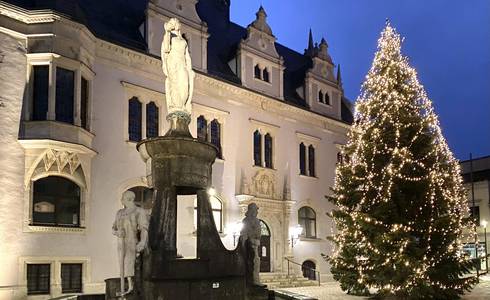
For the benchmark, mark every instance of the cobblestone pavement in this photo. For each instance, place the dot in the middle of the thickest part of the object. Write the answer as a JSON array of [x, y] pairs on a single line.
[[331, 291]]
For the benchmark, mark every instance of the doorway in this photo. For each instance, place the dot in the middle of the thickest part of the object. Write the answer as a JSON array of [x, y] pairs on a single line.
[[265, 247], [309, 269]]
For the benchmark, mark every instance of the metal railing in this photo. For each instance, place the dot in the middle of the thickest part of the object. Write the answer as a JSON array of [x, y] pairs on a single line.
[[317, 273]]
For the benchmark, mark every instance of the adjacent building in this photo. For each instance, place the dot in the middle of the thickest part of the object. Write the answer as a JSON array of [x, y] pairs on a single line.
[[81, 83]]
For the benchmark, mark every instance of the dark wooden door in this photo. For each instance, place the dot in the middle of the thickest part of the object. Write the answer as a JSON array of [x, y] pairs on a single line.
[[265, 253]]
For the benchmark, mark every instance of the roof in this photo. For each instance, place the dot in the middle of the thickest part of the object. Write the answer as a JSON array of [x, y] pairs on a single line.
[[119, 21]]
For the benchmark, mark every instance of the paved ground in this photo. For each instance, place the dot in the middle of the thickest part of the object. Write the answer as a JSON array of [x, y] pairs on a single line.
[[331, 291]]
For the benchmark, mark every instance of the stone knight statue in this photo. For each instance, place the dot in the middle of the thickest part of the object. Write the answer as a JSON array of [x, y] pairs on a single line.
[[129, 221], [251, 233], [177, 67]]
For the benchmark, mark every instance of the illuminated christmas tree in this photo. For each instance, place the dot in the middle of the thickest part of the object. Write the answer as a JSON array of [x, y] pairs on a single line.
[[402, 210]]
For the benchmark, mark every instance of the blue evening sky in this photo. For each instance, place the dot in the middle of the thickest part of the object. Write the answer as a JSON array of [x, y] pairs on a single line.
[[447, 41]]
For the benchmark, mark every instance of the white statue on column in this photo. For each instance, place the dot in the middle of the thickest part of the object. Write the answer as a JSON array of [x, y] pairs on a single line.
[[129, 221], [251, 232], [177, 67]]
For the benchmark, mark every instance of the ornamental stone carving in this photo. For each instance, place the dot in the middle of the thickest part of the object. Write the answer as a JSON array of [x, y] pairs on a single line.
[[264, 184], [61, 159]]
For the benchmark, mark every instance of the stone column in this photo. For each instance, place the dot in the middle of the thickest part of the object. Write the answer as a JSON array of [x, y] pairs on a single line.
[[76, 98]]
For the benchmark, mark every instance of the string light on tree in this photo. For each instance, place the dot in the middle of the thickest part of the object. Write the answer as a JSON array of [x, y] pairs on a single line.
[[402, 210]]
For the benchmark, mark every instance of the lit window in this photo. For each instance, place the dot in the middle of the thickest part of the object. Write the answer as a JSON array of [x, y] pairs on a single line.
[[84, 103], [40, 86], [307, 220], [311, 160], [320, 96], [257, 72], [56, 202], [217, 208], [151, 120], [216, 136], [65, 88], [302, 159], [257, 148], [38, 279], [202, 128], [135, 117], [71, 278], [265, 75], [268, 150]]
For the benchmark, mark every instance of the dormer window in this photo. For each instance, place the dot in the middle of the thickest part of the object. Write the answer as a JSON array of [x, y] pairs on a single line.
[[323, 97], [327, 99], [257, 72], [320, 96], [265, 75]]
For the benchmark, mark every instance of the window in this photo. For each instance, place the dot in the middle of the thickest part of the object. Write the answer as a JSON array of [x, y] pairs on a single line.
[[308, 267], [144, 196], [327, 99], [38, 279], [71, 278], [151, 120], [40, 92], [217, 208], [257, 72], [135, 117], [257, 148], [216, 135], [302, 159], [320, 96], [65, 88], [475, 214], [311, 160], [265, 75], [84, 103], [202, 128], [56, 202], [268, 150], [307, 220]]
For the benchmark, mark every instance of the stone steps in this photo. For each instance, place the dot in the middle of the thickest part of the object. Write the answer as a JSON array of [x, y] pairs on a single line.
[[283, 280]]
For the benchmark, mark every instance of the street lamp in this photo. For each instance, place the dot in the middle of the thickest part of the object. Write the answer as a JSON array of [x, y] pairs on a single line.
[[235, 230], [484, 225], [295, 232]]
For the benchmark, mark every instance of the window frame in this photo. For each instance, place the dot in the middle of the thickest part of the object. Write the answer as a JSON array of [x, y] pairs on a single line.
[[137, 122], [38, 292], [71, 289], [148, 120], [220, 228], [305, 222]]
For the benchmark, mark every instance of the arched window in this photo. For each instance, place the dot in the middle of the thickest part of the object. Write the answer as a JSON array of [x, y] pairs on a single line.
[[257, 72], [327, 99], [320, 96], [308, 267], [302, 159], [311, 160], [202, 128], [217, 208], [151, 120], [268, 150], [257, 148], [134, 123], [216, 135], [56, 202], [144, 196], [265, 75], [307, 220]]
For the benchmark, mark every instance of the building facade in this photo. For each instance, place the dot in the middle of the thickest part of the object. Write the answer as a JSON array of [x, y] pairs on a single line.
[[81, 83]]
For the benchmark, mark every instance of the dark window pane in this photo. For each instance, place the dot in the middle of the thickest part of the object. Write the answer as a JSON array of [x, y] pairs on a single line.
[[65, 87], [71, 278], [268, 150], [257, 72], [327, 99], [38, 279], [265, 75], [216, 135], [307, 220], [475, 214], [308, 268], [257, 148], [84, 103], [302, 159], [151, 120], [56, 201], [311, 160], [135, 117], [40, 92], [320, 96], [202, 128]]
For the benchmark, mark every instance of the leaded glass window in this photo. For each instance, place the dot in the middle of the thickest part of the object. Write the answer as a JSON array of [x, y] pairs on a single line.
[[151, 120], [268, 150], [202, 128], [307, 220], [71, 278], [311, 160], [216, 136], [65, 88], [40, 86], [134, 123], [257, 148], [302, 159], [38, 279]]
